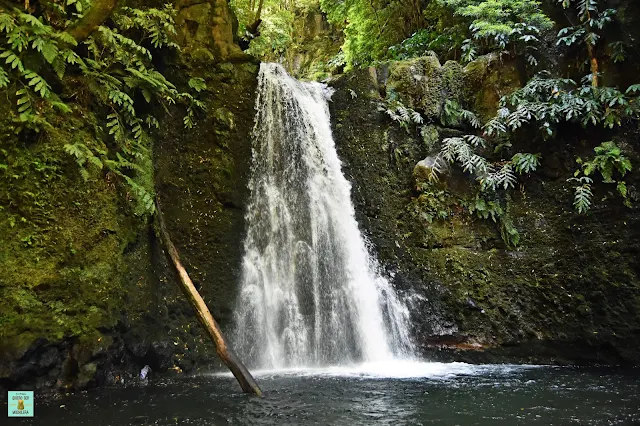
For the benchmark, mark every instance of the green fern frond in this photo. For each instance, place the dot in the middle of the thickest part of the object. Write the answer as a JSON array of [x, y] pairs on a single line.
[[12, 60], [198, 84], [503, 177], [525, 163], [583, 195], [4, 78]]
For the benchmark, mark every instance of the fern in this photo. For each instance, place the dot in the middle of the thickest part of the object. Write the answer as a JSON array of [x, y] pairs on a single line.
[[608, 160], [198, 84], [145, 199], [458, 150], [157, 24], [486, 209], [39, 84], [84, 157], [525, 163], [491, 209], [582, 196], [401, 114], [502, 178], [116, 66], [4, 78], [12, 60]]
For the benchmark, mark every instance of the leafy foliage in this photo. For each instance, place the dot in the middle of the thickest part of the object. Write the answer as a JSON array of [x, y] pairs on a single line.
[[608, 160], [115, 68], [400, 114], [546, 102], [424, 41], [372, 26], [27, 45], [487, 206], [583, 194], [276, 33], [454, 115], [499, 24], [588, 33]]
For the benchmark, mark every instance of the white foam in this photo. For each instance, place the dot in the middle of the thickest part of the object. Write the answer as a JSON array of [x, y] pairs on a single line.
[[393, 369]]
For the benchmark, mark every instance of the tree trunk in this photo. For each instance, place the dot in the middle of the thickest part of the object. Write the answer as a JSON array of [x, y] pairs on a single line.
[[98, 13], [593, 61], [226, 354], [259, 12]]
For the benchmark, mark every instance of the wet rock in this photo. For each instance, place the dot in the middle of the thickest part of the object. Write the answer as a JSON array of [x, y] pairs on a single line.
[[542, 302], [186, 364], [138, 349], [485, 80], [49, 358], [86, 375], [430, 170], [423, 84], [160, 355]]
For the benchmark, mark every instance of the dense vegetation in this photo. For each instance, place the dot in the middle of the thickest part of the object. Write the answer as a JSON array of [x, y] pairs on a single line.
[[44, 52], [89, 87], [113, 67], [553, 94]]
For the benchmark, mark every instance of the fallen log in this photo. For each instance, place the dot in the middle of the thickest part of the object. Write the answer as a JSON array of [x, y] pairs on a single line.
[[226, 354]]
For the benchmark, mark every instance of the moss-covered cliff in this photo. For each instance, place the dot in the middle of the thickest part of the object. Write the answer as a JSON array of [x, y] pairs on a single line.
[[569, 292], [86, 294]]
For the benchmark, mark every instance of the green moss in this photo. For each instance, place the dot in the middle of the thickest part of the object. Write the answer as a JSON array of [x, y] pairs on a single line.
[[569, 291], [314, 44], [423, 84], [61, 239], [485, 81], [203, 173]]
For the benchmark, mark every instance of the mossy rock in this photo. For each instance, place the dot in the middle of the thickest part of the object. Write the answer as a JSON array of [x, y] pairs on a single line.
[[569, 293], [485, 80], [82, 272], [425, 85]]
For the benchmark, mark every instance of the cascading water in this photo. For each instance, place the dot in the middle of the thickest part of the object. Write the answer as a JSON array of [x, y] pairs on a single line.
[[311, 294]]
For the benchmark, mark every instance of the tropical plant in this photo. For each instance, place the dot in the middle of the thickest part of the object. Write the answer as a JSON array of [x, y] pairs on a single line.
[[502, 24], [608, 160], [399, 113], [372, 26], [114, 69], [587, 32]]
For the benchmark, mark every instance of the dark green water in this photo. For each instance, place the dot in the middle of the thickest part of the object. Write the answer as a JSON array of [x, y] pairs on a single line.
[[445, 394]]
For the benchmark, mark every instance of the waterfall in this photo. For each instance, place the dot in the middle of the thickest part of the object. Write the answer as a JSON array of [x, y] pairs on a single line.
[[311, 294]]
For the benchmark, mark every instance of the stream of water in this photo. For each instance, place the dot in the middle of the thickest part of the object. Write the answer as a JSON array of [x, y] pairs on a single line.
[[311, 294]]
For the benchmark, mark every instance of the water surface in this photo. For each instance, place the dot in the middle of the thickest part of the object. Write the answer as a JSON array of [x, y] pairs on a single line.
[[396, 394]]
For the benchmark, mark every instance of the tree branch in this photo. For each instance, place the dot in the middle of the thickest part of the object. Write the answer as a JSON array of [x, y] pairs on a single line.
[[98, 13]]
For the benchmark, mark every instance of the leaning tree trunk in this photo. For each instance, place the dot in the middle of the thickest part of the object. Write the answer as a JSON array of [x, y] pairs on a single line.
[[226, 354]]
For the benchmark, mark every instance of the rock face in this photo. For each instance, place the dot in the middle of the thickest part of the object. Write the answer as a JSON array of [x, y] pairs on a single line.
[[569, 292], [86, 293], [315, 44], [206, 30], [201, 179], [424, 84]]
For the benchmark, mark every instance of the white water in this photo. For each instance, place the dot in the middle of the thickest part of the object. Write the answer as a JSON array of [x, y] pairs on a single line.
[[393, 369], [311, 295]]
